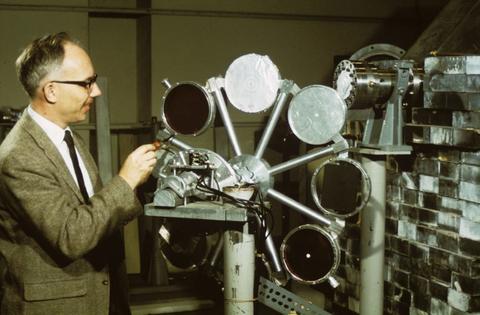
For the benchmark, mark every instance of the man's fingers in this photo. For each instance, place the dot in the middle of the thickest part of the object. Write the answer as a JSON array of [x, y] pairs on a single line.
[[150, 155], [144, 148]]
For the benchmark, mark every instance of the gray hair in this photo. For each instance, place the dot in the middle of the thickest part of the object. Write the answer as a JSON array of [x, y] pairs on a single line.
[[39, 58]]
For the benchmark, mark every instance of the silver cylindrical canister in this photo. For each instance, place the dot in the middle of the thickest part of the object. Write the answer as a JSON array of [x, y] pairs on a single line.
[[365, 84], [362, 84], [239, 270]]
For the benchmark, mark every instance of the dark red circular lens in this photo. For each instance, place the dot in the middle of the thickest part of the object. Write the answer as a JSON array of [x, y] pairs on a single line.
[[186, 109]]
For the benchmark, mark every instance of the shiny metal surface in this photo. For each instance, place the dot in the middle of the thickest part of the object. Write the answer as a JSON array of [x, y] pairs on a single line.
[[287, 87], [301, 160], [316, 114], [363, 84], [252, 170], [215, 85], [295, 205]]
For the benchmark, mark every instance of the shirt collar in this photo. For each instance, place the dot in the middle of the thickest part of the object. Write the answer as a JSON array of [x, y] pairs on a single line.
[[53, 131]]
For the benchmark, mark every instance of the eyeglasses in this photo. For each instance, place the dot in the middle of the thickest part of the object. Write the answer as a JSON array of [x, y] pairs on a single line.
[[85, 83]]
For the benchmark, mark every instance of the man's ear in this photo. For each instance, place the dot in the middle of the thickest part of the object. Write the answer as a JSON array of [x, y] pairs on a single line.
[[50, 93]]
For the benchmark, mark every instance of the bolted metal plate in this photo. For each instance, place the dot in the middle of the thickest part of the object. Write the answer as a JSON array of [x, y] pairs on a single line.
[[376, 50], [316, 114], [252, 82], [253, 170]]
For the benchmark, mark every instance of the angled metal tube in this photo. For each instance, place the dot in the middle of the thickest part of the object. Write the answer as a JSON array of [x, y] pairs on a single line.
[[222, 108], [289, 202], [282, 167], [272, 251], [216, 252], [180, 144], [272, 121]]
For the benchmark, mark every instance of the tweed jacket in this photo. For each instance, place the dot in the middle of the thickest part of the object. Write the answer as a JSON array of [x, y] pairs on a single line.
[[56, 249]]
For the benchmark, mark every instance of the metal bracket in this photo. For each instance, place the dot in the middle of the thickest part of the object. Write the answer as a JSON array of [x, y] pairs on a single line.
[[387, 133], [284, 301]]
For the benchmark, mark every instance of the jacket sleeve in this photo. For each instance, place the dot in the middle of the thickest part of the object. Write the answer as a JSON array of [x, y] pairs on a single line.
[[37, 196]]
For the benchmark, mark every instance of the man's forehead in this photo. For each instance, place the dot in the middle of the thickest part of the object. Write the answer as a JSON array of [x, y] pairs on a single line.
[[76, 59]]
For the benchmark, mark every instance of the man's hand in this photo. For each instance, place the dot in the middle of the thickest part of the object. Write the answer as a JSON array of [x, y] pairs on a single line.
[[138, 165]]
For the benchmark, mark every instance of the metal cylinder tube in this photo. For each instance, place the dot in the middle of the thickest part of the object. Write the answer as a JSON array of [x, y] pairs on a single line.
[[272, 123], [295, 205], [362, 84], [304, 159], [372, 240], [239, 270]]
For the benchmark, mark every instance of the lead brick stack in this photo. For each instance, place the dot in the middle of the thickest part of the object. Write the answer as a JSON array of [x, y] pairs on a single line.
[[432, 260]]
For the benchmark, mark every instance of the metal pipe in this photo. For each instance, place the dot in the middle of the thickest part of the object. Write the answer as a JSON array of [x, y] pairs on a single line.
[[180, 144], [282, 167], [295, 205], [270, 246], [222, 108], [216, 252], [272, 122], [239, 270], [372, 240]]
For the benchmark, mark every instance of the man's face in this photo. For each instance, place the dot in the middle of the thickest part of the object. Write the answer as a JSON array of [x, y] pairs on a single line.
[[74, 101]]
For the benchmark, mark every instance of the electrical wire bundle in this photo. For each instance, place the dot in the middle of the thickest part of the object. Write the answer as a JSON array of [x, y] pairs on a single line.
[[258, 208]]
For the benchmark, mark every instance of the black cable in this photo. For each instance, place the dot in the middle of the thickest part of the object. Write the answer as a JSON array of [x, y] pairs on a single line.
[[258, 208]]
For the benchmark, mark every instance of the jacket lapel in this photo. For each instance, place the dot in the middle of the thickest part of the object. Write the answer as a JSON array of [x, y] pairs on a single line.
[[50, 150]]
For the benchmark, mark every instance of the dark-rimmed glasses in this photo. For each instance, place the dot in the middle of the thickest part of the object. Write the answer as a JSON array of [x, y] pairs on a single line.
[[85, 83]]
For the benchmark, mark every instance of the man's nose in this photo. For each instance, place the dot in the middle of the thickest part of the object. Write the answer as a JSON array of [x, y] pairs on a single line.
[[95, 90]]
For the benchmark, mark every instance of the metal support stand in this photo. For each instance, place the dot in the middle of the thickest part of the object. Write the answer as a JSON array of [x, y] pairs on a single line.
[[372, 241], [238, 249], [387, 133], [239, 270]]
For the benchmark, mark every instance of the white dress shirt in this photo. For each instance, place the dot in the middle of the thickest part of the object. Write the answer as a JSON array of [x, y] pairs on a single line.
[[56, 134]]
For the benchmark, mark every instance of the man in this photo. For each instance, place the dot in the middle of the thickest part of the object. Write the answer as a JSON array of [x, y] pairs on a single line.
[[59, 228]]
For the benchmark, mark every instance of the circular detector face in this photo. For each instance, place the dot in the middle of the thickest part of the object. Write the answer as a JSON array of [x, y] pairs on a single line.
[[345, 173], [187, 109], [309, 254], [316, 114], [252, 83]]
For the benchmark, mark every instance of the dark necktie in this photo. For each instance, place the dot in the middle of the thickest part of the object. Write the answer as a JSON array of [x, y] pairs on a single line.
[[76, 166]]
